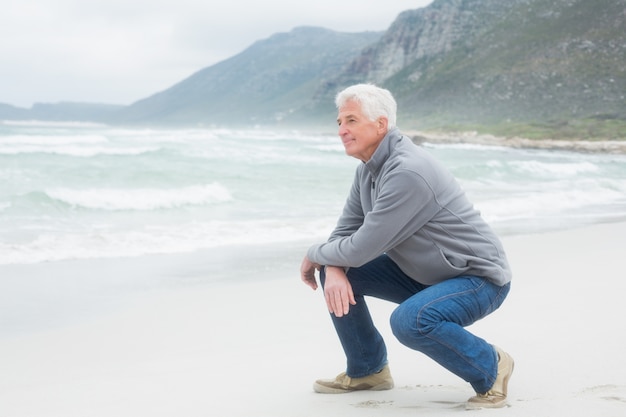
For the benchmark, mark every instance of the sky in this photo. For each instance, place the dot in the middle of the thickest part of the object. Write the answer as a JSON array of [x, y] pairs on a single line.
[[121, 51]]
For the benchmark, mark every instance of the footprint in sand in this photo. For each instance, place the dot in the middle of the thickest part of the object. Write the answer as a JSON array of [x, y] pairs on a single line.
[[373, 404], [607, 392]]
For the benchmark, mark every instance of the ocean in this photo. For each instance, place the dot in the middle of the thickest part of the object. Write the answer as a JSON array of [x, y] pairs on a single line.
[[86, 191]]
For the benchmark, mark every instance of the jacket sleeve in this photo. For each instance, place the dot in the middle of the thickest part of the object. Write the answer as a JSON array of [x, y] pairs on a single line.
[[405, 202]]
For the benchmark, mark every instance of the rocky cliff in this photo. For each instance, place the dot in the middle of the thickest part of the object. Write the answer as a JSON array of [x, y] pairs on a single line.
[[486, 61]]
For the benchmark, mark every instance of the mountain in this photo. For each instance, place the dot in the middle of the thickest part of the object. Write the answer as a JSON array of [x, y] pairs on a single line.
[[541, 60], [455, 62], [487, 61], [8, 112], [452, 63], [264, 84]]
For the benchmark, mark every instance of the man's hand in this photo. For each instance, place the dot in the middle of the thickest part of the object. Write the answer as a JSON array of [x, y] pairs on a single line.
[[338, 291], [307, 272]]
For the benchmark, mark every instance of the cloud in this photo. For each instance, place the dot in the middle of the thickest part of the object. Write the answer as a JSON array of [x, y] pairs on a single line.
[[119, 51]]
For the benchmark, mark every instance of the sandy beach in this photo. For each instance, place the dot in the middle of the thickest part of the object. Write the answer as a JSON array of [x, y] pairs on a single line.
[[575, 145], [223, 333]]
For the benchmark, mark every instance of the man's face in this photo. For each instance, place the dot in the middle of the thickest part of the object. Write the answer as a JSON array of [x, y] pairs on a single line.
[[360, 135]]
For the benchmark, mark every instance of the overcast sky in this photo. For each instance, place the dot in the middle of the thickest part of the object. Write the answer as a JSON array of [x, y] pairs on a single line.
[[120, 51]]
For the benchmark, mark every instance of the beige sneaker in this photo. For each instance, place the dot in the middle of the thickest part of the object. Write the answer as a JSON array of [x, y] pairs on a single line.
[[343, 383], [496, 396]]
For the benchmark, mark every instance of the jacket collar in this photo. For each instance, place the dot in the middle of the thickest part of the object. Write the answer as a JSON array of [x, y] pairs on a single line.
[[381, 154]]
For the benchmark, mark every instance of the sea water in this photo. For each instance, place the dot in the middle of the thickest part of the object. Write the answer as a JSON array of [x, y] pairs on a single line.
[[84, 191]]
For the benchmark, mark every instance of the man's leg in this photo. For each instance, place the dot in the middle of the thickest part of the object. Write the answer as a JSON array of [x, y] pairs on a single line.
[[363, 345], [433, 320]]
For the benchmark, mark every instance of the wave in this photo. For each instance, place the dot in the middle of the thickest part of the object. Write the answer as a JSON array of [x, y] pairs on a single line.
[[55, 140], [554, 201], [68, 145], [78, 151], [49, 246], [190, 135], [333, 148], [141, 199], [554, 168], [47, 123], [464, 146]]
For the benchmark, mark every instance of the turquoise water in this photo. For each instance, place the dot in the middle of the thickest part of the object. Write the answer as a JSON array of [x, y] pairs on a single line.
[[71, 191]]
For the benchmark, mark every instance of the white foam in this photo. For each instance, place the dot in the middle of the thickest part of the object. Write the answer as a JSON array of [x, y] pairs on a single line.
[[84, 145], [78, 151], [52, 140], [48, 123], [554, 168], [141, 198], [105, 242], [464, 146], [547, 202]]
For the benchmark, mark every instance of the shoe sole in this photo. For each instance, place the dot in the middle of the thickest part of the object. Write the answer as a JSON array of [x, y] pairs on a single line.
[[323, 389], [480, 406]]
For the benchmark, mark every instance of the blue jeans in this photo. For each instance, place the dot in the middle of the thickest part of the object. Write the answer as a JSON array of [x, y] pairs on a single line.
[[429, 319]]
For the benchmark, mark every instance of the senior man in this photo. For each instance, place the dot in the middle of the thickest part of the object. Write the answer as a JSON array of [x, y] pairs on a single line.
[[409, 235]]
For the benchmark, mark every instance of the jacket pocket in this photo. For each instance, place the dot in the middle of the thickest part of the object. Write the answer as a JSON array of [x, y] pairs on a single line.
[[455, 262]]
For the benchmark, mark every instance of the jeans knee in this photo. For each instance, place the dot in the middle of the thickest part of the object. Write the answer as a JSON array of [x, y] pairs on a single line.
[[410, 327], [398, 324], [403, 325]]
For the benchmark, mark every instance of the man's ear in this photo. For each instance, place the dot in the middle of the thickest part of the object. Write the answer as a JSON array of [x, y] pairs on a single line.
[[383, 122]]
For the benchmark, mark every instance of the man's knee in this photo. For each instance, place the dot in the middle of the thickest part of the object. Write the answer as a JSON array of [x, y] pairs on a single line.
[[410, 324]]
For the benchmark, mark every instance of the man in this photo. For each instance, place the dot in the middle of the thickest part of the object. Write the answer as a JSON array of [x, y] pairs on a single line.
[[408, 235]]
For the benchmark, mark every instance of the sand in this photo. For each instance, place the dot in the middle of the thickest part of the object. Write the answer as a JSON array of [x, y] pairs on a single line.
[[235, 333], [615, 146]]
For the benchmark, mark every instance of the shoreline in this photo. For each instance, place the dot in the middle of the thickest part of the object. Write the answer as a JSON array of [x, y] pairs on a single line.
[[240, 335], [474, 138]]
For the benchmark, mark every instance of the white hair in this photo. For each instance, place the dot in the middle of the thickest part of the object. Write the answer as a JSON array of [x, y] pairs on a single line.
[[375, 102]]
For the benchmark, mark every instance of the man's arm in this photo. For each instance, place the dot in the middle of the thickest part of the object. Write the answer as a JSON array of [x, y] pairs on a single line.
[[338, 291], [307, 272], [405, 203]]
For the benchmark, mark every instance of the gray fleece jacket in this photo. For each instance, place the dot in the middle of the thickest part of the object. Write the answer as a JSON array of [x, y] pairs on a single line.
[[404, 203]]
